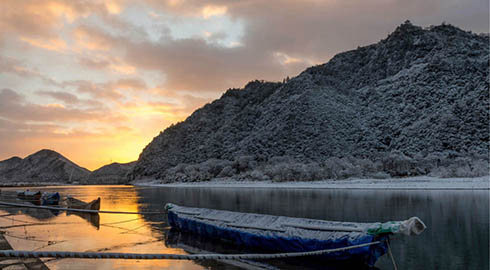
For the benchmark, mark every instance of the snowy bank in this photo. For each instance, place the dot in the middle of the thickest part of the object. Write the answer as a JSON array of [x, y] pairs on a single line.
[[409, 183]]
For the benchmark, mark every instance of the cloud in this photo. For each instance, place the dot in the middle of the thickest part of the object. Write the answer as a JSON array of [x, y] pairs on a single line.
[[214, 37], [54, 44], [39, 20], [113, 64], [62, 96], [92, 39], [113, 91], [113, 7], [272, 47], [15, 107], [91, 63], [17, 67], [130, 83], [213, 10], [193, 64], [316, 30]]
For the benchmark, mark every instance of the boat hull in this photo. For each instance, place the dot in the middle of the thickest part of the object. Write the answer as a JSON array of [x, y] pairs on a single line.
[[50, 198], [29, 195], [291, 240], [78, 204]]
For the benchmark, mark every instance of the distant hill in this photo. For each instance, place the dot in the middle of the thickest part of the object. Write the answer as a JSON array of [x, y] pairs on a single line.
[[47, 166], [114, 173], [44, 166], [414, 103]]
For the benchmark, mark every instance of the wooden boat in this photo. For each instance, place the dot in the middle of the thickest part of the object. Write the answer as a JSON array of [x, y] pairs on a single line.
[[29, 195], [194, 244], [50, 198], [78, 204], [287, 234]]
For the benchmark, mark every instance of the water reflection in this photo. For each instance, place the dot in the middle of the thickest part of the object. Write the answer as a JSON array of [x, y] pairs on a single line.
[[38, 214], [105, 233], [457, 235], [92, 219], [458, 222]]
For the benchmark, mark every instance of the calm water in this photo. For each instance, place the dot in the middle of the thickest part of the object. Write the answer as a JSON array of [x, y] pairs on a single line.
[[457, 236]]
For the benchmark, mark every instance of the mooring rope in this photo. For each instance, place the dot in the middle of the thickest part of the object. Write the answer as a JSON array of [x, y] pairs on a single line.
[[77, 210], [160, 256], [391, 255]]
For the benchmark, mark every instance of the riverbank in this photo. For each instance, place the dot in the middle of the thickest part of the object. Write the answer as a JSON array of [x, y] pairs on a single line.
[[408, 183], [34, 184]]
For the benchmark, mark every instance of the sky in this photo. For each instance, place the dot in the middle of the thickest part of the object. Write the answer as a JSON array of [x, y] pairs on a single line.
[[97, 80]]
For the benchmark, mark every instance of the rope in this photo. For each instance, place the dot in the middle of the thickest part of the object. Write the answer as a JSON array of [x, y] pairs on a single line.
[[391, 255], [160, 256], [77, 210]]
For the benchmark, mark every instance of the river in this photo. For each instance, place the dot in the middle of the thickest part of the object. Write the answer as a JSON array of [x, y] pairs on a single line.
[[457, 235]]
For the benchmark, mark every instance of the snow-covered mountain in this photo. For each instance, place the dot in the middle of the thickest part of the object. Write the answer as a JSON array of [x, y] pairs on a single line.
[[47, 166], [414, 103], [44, 166]]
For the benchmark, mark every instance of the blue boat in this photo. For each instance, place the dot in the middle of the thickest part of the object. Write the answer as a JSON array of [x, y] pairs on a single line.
[[50, 198], [287, 234]]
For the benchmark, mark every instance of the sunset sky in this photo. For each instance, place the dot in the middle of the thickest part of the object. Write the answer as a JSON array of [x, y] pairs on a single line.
[[97, 80]]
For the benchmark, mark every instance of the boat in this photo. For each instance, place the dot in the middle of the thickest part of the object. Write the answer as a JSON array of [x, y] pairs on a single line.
[[195, 244], [267, 233], [78, 204], [50, 198], [29, 195]]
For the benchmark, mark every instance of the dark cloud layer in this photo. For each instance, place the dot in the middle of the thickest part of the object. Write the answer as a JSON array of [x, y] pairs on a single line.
[[62, 96], [14, 106], [306, 32]]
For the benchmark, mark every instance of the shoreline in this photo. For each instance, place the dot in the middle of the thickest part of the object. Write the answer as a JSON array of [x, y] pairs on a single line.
[[408, 183]]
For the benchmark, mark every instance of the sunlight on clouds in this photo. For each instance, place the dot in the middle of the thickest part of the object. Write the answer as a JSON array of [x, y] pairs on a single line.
[[54, 44], [85, 40], [113, 7], [55, 105], [60, 9], [286, 59], [210, 11], [51, 10], [123, 68], [174, 3], [235, 44], [61, 131], [154, 14], [140, 111]]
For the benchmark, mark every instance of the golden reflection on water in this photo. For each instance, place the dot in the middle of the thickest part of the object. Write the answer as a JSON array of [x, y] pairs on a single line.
[[43, 230]]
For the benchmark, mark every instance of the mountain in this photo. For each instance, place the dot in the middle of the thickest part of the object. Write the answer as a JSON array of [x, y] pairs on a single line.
[[114, 173], [10, 163], [415, 103], [44, 166]]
